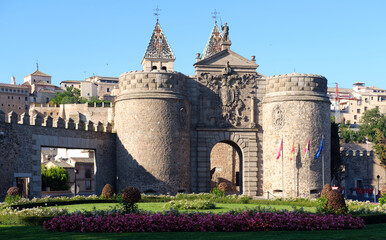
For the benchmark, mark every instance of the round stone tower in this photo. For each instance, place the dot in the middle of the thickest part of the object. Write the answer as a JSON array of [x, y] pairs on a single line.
[[153, 134], [296, 109]]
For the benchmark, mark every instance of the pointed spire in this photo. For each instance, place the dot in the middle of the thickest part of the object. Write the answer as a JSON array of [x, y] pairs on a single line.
[[158, 55], [214, 43], [158, 46]]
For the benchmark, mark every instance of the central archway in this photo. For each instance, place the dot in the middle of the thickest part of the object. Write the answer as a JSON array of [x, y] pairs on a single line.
[[226, 166]]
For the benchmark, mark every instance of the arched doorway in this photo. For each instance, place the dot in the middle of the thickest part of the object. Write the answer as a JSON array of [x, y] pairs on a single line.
[[226, 166]]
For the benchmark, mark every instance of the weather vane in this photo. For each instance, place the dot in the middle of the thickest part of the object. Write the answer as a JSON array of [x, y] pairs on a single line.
[[157, 10], [215, 15]]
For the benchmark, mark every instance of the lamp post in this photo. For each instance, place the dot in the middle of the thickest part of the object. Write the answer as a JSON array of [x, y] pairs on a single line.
[[378, 183], [45, 178], [75, 172]]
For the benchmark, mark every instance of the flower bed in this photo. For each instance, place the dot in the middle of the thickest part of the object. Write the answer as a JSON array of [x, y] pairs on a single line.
[[202, 222], [357, 207], [192, 204]]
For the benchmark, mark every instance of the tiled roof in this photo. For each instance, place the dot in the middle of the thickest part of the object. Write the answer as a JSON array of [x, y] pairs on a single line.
[[214, 43], [38, 73], [158, 46]]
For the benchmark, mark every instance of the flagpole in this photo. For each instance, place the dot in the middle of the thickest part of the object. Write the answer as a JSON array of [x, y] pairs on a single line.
[[282, 166], [294, 159], [323, 168]]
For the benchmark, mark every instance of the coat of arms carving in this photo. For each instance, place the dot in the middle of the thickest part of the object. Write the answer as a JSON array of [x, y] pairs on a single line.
[[226, 96]]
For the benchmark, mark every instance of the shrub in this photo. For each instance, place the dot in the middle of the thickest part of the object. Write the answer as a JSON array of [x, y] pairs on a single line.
[[382, 200], [107, 191], [190, 204], [129, 197], [216, 192], [57, 178], [325, 190], [14, 191], [335, 202], [223, 186], [201, 222]]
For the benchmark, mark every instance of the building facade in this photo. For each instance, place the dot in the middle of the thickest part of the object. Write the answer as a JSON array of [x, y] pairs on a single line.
[[167, 124]]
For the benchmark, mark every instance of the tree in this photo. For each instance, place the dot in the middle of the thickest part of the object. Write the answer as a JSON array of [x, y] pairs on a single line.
[[71, 95], [380, 147], [57, 178], [371, 120], [336, 160]]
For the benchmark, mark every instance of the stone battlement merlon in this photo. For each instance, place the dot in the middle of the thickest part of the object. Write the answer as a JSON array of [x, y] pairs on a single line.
[[37, 120], [296, 82], [357, 153], [154, 80]]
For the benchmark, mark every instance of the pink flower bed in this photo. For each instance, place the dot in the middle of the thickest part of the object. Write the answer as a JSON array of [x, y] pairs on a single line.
[[202, 222]]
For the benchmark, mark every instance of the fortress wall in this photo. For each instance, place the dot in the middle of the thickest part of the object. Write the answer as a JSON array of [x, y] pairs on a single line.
[[20, 145], [296, 107], [152, 116], [364, 166]]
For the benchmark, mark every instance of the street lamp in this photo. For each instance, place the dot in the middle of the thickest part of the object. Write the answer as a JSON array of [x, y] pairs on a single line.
[[378, 183], [76, 172], [45, 178]]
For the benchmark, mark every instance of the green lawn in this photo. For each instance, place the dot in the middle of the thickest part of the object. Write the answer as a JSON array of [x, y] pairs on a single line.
[[158, 206], [375, 231]]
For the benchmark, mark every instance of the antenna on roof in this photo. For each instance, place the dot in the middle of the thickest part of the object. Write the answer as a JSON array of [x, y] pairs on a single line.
[[37, 65], [157, 10], [214, 15]]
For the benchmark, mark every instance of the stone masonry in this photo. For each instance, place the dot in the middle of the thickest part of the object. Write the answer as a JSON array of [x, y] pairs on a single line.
[[167, 124]]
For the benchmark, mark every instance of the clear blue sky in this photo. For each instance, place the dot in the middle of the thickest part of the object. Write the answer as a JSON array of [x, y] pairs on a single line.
[[345, 41]]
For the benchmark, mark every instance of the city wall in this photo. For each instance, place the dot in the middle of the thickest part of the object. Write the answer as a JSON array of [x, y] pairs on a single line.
[[20, 144]]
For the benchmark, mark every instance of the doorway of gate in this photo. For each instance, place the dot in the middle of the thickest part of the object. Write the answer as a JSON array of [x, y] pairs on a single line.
[[226, 166]]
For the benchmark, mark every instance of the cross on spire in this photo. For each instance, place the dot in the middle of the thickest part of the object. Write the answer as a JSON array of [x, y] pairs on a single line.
[[157, 10], [215, 15], [37, 65]]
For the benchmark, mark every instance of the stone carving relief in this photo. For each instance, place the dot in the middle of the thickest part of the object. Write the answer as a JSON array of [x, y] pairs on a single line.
[[278, 117], [225, 98]]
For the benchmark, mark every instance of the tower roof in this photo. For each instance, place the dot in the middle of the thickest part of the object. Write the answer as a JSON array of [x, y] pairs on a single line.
[[213, 45], [38, 73], [158, 46]]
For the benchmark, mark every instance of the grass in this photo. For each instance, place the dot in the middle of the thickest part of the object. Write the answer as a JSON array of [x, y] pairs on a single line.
[[374, 231], [158, 206]]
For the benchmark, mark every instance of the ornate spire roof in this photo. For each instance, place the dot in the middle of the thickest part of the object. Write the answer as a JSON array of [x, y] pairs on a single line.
[[158, 46], [214, 43]]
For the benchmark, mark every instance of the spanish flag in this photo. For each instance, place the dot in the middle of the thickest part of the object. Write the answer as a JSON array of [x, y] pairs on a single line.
[[307, 147], [293, 149], [280, 149]]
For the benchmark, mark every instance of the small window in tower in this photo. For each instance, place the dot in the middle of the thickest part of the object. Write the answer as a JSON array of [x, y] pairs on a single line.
[[154, 68], [164, 68], [108, 90]]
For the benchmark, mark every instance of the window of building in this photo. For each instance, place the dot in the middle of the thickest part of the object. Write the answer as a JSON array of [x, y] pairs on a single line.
[[371, 98], [45, 113], [34, 99], [47, 100], [355, 117], [6, 89], [108, 89], [358, 110], [51, 113], [8, 97], [88, 173], [88, 185], [154, 68], [19, 98], [12, 97], [164, 68], [26, 99], [65, 85], [365, 109], [366, 100], [88, 94], [18, 91], [2, 89]]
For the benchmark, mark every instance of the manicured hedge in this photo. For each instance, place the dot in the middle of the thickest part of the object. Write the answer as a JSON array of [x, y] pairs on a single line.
[[23, 220], [374, 218], [59, 203], [202, 222]]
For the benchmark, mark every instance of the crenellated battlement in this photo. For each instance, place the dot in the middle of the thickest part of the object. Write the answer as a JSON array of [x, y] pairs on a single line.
[[296, 82], [154, 80], [356, 153], [70, 124]]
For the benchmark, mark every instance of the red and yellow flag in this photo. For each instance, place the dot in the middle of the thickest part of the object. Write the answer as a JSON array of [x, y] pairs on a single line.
[[293, 149], [280, 149]]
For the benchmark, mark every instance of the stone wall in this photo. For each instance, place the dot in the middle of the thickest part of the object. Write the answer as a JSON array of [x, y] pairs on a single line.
[[20, 145], [363, 166], [152, 117], [296, 107]]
